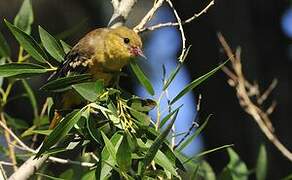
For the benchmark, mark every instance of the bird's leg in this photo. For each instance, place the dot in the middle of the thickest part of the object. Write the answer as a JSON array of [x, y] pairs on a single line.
[[116, 78]]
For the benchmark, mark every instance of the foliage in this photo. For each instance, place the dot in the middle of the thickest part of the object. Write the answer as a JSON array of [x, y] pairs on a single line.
[[114, 126]]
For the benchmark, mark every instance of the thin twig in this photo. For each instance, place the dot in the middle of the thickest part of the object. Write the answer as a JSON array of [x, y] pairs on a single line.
[[181, 29], [173, 24], [242, 87], [11, 151], [148, 16]]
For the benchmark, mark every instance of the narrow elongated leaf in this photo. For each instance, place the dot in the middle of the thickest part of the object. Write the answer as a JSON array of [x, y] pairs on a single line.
[[124, 155], [31, 97], [28, 43], [261, 166], [236, 168], [103, 171], [89, 90], [66, 47], [156, 144], [24, 18], [109, 146], [21, 70], [64, 83], [172, 76], [162, 160], [60, 131], [4, 47], [145, 82], [175, 71], [53, 46], [196, 82], [167, 117], [193, 136]]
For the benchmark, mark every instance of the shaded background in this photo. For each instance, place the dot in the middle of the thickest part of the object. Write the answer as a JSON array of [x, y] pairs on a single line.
[[255, 25]]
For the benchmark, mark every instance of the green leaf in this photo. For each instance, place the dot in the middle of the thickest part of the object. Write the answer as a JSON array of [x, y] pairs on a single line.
[[167, 117], [104, 171], [43, 132], [31, 97], [24, 18], [175, 72], [90, 175], [2, 61], [193, 136], [109, 146], [145, 82], [142, 105], [124, 155], [196, 82], [206, 171], [48, 176], [16, 123], [262, 163], [21, 70], [236, 169], [62, 84], [68, 174], [66, 47], [156, 144], [89, 90], [28, 43], [4, 47], [53, 46], [162, 160], [60, 131]]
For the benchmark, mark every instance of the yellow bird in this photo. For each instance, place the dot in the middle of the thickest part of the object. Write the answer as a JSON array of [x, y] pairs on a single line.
[[102, 53]]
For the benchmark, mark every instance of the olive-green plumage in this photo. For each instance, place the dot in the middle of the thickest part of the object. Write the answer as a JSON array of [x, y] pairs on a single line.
[[102, 53]]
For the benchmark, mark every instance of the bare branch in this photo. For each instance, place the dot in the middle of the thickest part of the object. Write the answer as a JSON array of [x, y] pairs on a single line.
[[122, 9], [148, 16], [181, 29], [172, 24], [242, 86], [11, 151], [265, 95]]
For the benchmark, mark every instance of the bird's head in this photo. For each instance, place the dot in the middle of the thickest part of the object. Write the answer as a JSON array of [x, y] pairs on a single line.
[[125, 43]]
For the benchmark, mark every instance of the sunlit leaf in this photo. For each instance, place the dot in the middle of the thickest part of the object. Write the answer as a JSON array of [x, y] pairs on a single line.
[[175, 71], [52, 45], [145, 82], [90, 175], [28, 43], [66, 47], [24, 18], [124, 158], [60, 131], [167, 117], [156, 144], [196, 82], [104, 170], [89, 90], [191, 138], [21, 70]]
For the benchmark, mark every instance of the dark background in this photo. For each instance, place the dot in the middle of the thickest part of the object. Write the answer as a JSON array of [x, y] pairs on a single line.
[[252, 24]]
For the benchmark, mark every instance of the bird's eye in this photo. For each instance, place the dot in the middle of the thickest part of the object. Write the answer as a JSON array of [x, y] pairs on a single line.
[[126, 40]]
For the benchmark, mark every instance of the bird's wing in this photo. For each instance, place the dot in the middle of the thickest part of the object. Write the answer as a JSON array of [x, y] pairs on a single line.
[[77, 61]]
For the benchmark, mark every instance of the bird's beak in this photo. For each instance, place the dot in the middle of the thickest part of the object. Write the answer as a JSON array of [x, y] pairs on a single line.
[[138, 52]]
